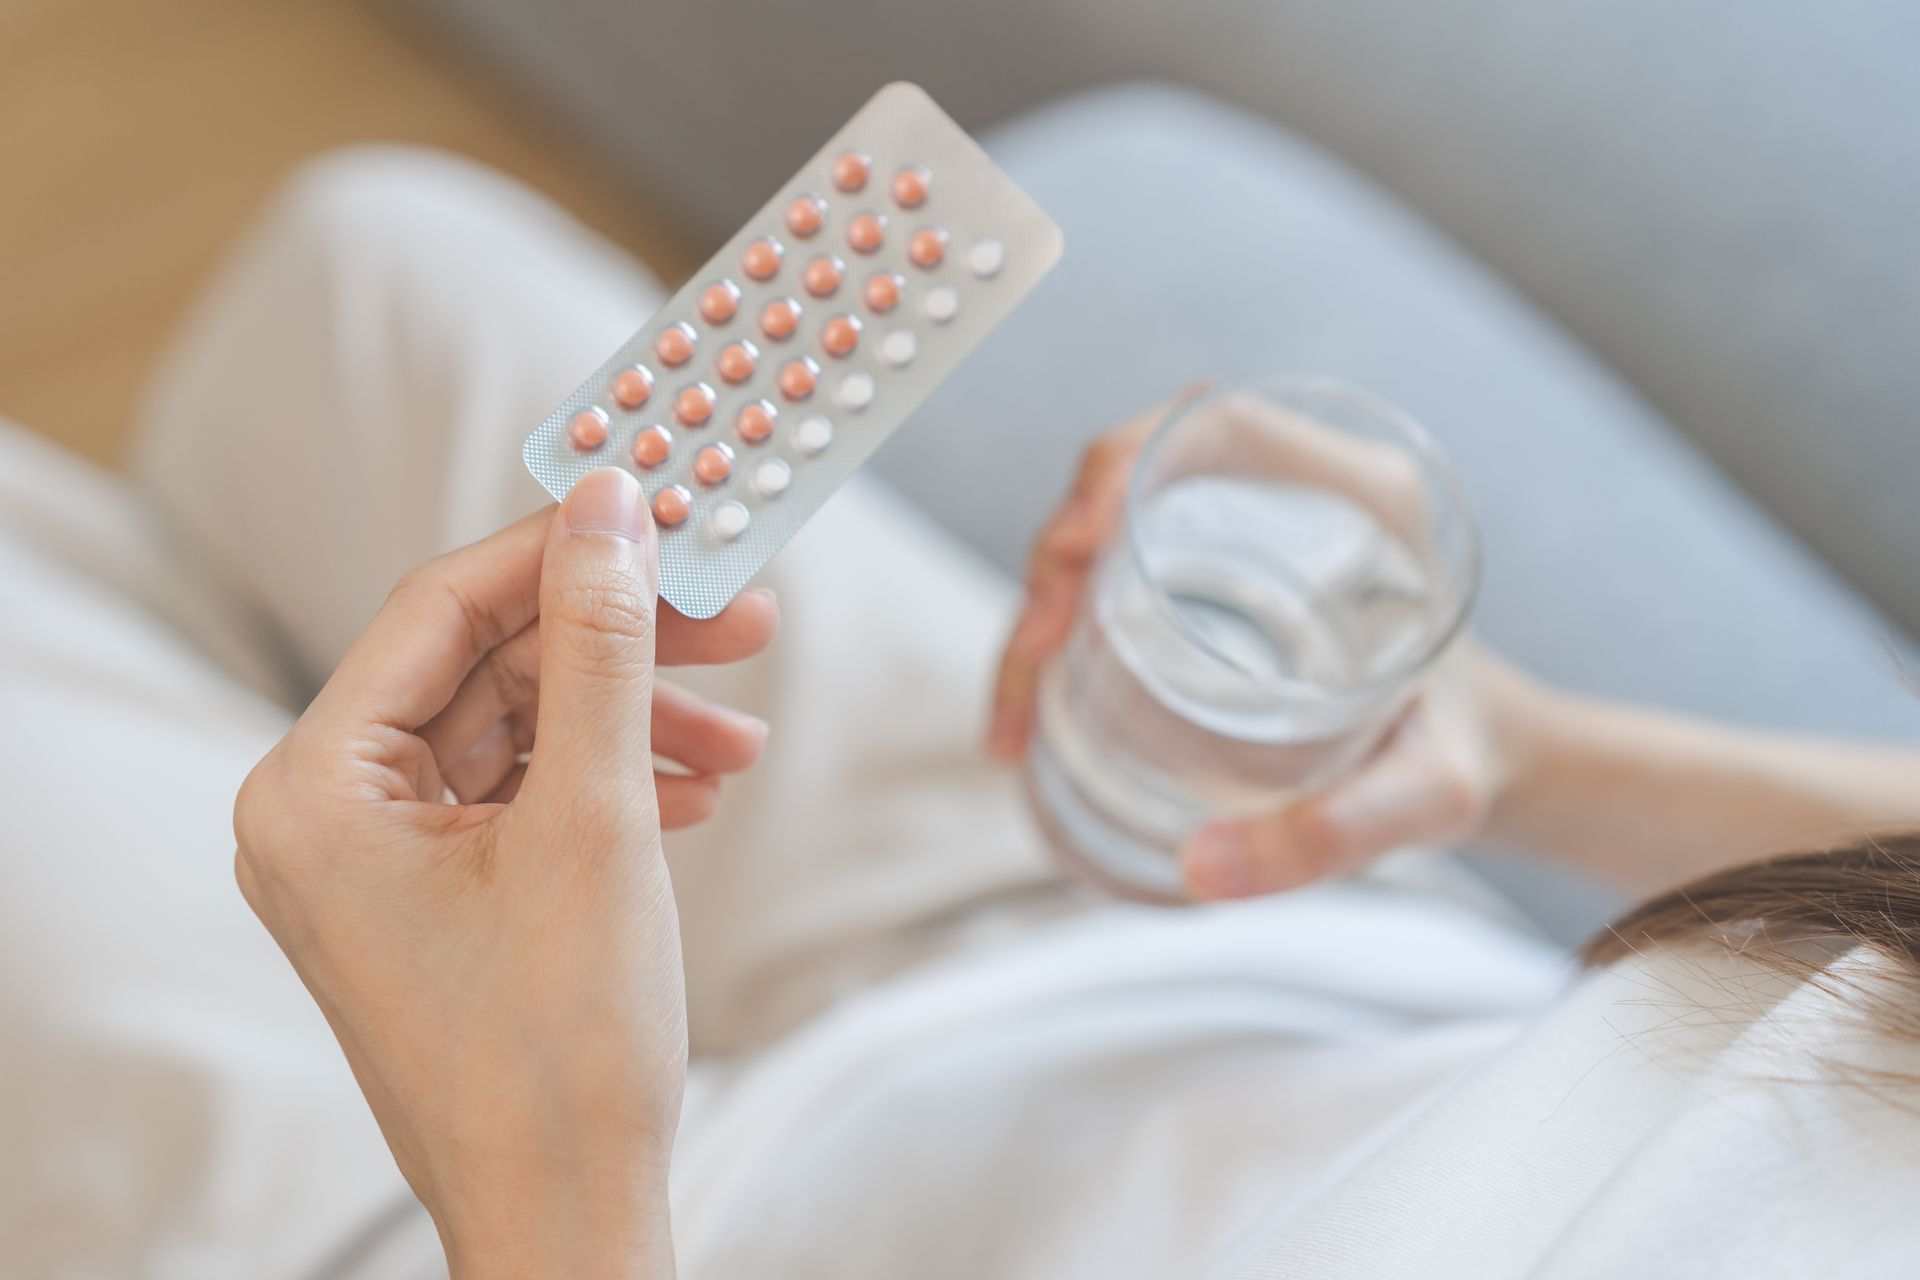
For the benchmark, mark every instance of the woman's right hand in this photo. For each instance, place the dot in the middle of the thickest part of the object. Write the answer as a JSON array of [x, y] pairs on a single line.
[[1439, 777]]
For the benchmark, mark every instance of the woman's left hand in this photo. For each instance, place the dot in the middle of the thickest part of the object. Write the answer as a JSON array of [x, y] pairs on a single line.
[[495, 942]]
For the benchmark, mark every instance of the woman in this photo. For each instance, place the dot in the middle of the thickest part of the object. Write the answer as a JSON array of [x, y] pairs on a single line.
[[917, 1051]]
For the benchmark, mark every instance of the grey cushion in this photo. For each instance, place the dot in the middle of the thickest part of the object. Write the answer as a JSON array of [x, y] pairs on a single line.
[[1719, 197], [1618, 560]]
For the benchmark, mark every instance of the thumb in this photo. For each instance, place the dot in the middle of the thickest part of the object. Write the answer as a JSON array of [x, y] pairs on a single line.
[[1411, 793], [599, 585]]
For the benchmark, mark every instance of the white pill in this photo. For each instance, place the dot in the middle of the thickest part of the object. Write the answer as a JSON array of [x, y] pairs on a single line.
[[771, 478], [729, 520], [813, 435], [856, 391], [986, 258], [941, 305], [898, 347]]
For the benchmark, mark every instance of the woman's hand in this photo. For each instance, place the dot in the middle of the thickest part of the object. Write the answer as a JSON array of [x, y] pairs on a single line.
[[1439, 777], [495, 942]]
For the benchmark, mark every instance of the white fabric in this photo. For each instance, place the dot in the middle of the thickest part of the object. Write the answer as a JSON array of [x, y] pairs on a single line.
[[919, 1052]]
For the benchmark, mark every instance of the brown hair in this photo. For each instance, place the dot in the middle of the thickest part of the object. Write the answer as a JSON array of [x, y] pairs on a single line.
[[1794, 914]]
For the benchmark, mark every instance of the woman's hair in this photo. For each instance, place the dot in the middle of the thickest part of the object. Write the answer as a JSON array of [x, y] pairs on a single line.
[[1794, 914], [1861, 894]]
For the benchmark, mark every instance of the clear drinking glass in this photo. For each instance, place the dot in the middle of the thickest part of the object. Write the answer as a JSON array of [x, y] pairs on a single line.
[[1294, 557]]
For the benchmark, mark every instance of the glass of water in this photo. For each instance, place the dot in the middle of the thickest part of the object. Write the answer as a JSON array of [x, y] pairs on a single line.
[[1294, 557]]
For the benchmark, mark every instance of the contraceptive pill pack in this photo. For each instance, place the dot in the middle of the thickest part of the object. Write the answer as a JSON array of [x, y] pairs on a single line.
[[785, 361]]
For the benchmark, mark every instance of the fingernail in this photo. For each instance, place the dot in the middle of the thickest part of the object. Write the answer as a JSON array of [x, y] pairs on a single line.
[[1217, 863], [754, 722], [608, 501], [768, 592]]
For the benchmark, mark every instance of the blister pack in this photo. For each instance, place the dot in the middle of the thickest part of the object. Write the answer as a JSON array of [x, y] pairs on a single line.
[[784, 362]]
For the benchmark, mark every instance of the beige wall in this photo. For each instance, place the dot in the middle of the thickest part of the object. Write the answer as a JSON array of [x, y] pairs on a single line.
[[136, 136]]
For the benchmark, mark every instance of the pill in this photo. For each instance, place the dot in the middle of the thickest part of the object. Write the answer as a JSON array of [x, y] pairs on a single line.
[[771, 477], [672, 505], [986, 258], [867, 232], [674, 346], [729, 520], [651, 446], [755, 421], [737, 361], [927, 247], [883, 291], [632, 387], [797, 378], [719, 301], [941, 305], [910, 186], [813, 435], [694, 404], [805, 215], [588, 430], [840, 335], [822, 276], [898, 348], [856, 391], [779, 318], [850, 171], [762, 258], [713, 464]]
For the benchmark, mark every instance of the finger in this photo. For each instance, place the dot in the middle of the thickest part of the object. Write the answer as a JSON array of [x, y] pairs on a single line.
[[685, 799], [504, 683], [440, 621], [1063, 553], [477, 772], [704, 736], [1410, 793], [598, 585], [742, 629]]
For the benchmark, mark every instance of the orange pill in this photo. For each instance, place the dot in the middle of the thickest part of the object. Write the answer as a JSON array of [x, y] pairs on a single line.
[[737, 361], [720, 300], [632, 387], [805, 215], [867, 232], [928, 247], [755, 421], [674, 346], [841, 335], [779, 318], [713, 464], [883, 291], [588, 430], [910, 186], [797, 378], [762, 259], [850, 171], [651, 446], [672, 505], [822, 276], [694, 404]]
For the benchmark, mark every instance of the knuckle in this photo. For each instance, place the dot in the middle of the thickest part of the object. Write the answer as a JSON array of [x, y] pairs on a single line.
[[1318, 844], [514, 684], [608, 605]]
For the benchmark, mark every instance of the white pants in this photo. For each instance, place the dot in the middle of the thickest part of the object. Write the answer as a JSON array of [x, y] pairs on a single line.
[[348, 401]]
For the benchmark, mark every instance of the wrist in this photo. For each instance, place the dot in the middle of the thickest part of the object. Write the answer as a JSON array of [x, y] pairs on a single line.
[[1537, 736], [601, 1217]]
